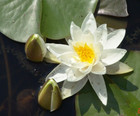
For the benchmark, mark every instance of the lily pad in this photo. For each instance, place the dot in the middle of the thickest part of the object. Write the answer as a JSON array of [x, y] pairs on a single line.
[[123, 93], [116, 8], [21, 18], [57, 16], [112, 22]]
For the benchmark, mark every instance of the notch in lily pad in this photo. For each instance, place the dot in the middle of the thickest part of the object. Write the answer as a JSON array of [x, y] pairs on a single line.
[[35, 48], [49, 96]]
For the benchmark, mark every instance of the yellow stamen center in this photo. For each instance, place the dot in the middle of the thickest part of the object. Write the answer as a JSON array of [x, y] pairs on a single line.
[[85, 52]]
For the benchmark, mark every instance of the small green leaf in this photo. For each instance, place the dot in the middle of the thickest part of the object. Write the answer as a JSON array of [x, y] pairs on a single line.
[[123, 93]]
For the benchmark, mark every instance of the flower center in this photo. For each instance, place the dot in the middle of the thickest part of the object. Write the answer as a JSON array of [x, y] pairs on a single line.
[[85, 52]]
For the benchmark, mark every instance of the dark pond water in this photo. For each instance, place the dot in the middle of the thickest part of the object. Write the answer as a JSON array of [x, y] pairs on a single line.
[[20, 79]]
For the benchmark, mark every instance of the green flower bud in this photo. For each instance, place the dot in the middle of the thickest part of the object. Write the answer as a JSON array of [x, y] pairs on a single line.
[[49, 96], [35, 48]]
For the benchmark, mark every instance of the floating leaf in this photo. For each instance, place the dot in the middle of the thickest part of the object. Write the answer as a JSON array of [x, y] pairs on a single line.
[[58, 14], [112, 22], [22, 18], [123, 93], [113, 7], [19, 19]]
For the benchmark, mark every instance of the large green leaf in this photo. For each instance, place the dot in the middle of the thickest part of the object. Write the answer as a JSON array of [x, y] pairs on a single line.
[[123, 93], [58, 14], [21, 18]]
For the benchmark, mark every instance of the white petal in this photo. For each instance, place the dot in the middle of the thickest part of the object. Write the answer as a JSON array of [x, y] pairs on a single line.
[[83, 38], [58, 73], [88, 38], [98, 84], [73, 75], [86, 69], [69, 60], [101, 34], [114, 39], [58, 49], [89, 23], [99, 68], [118, 68], [98, 50], [76, 32], [112, 56], [50, 58], [71, 88]]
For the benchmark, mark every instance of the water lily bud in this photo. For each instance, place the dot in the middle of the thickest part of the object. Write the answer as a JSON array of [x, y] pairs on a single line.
[[49, 96], [35, 48]]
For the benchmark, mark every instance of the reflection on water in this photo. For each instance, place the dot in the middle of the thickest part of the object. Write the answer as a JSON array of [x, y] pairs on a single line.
[[25, 103]]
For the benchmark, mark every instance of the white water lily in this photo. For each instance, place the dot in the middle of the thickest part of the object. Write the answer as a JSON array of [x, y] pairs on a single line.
[[91, 53]]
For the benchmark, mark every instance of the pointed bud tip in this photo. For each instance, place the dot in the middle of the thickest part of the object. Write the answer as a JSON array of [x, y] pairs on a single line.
[[35, 48], [49, 96]]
